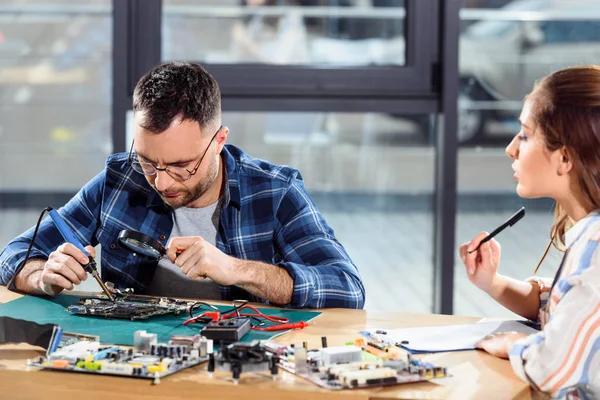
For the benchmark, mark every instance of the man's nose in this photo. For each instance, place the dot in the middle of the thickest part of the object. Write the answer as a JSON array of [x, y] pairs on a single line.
[[163, 181]]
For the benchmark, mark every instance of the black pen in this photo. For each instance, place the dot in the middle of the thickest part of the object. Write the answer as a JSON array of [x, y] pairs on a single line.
[[511, 221]]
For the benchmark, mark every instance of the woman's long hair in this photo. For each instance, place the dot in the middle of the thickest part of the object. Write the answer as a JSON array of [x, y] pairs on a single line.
[[566, 109]]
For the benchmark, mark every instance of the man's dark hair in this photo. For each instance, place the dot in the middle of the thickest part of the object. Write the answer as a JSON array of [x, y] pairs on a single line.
[[177, 90]]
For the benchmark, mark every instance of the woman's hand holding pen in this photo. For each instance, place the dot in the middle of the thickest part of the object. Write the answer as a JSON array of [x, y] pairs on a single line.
[[481, 257], [482, 264]]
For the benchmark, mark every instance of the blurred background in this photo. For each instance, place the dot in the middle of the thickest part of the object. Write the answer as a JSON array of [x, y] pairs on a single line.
[[372, 173]]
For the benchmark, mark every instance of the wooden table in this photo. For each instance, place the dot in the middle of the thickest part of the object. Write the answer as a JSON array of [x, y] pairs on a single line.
[[475, 374]]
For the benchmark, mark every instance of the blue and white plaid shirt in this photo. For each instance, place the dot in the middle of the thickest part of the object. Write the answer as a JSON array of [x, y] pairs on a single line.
[[267, 216]]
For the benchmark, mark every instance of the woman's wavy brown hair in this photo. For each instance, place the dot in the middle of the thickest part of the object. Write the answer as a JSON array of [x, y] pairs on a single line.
[[566, 110]]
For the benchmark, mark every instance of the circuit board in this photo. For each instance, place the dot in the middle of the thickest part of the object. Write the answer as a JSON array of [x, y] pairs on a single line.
[[127, 306], [147, 360], [360, 365]]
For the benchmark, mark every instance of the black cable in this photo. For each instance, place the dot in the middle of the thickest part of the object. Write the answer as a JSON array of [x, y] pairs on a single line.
[[236, 308], [20, 267], [201, 303]]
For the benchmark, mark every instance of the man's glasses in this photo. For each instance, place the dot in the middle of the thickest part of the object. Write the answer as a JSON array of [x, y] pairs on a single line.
[[177, 173]]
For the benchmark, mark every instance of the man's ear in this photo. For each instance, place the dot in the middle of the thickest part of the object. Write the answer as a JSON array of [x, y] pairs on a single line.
[[221, 138], [565, 164]]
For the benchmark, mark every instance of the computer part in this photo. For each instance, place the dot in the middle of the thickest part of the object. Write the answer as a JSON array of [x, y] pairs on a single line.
[[243, 357], [361, 364], [127, 306], [226, 330], [148, 359]]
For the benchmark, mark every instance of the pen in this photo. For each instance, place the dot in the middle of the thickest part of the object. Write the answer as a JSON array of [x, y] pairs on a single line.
[[69, 236], [511, 221]]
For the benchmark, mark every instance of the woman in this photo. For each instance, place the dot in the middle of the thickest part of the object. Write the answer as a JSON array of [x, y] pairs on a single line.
[[556, 154]]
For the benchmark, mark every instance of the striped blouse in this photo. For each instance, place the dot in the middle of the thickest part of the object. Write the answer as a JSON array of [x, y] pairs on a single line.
[[564, 358]]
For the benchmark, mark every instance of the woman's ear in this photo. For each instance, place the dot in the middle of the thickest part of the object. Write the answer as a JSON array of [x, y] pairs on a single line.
[[565, 164]]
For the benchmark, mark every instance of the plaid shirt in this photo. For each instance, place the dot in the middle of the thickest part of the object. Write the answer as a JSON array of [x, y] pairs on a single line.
[[267, 216]]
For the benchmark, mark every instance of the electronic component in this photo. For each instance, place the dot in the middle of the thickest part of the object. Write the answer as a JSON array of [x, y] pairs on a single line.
[[143, 341], [127, 306], [244, 357], [69, 338], [193, 344], [361, 364], [340, 355], [226, 330], [354, 378], [148, 360]]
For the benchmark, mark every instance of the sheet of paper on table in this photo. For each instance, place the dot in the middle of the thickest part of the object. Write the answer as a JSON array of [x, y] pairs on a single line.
[[433, 339]]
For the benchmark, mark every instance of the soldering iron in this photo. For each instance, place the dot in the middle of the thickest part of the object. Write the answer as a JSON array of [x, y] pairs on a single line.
[[69, 236]]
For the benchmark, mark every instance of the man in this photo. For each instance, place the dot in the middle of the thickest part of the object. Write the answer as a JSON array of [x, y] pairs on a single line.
[[235, 227]]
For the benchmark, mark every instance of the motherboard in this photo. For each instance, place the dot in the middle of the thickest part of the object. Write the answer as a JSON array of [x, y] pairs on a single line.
[[147, 359], [360, 364], [127, 306]]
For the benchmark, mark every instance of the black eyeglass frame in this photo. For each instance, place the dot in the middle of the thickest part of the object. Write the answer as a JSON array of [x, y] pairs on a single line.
[[191, 173]]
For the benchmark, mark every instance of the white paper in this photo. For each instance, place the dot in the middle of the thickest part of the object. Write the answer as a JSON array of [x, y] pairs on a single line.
[[449, 337]]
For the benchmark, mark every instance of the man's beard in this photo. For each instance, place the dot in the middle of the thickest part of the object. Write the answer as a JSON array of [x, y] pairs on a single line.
[[190, 195]]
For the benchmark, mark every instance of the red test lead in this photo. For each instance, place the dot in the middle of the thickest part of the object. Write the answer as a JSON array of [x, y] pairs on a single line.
[[283, 327]]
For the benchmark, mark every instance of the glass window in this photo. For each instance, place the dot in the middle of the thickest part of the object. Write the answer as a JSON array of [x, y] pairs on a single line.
[[571, 31], [56, 78], [371, 175], [55, 74], [487, 198], [495, 73], [309, 32]]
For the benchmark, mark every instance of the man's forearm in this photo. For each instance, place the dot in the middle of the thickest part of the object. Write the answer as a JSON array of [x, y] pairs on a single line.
[[266, 281], [521, 297], [28, 279]]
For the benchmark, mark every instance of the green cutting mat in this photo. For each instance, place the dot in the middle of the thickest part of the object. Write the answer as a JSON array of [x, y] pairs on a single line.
[[114, 331]]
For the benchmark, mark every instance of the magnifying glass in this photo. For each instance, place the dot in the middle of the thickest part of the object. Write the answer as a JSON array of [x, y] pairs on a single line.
[[141, 244]]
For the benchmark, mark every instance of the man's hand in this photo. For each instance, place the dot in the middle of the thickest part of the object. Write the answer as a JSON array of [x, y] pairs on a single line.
[[199, 259], [498, 344], [64, 269]]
